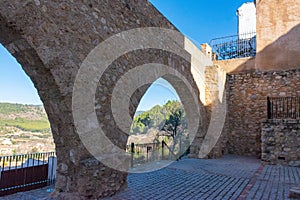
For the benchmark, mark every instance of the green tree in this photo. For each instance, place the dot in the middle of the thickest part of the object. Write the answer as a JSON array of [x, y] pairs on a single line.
[[169, 118], [175, 117]]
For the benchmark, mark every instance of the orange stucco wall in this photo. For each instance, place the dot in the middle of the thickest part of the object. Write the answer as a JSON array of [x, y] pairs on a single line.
[[278, 34]]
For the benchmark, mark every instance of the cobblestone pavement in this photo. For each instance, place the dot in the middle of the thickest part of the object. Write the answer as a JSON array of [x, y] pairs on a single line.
[[274, 182], [39, 194], [231, 177]]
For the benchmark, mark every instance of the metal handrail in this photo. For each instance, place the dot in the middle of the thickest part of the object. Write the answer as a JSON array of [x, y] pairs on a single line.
[[283, 107], [23, 172], [235, 46]]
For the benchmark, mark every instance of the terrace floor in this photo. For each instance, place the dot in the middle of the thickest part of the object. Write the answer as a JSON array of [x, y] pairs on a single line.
[[230, 177]]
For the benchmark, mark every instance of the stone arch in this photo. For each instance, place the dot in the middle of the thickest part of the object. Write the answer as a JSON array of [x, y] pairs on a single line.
[[51, 40], [48, 83], [195, 112], [11, 37], [111, 120], [41, 77], [178, 81]]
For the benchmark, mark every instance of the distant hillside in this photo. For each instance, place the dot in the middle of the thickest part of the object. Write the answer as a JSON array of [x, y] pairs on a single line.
[[24, 129], [139, 112], [25, 117]]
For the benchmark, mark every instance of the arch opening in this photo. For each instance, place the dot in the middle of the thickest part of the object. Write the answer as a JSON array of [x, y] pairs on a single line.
[[26, 139], [24, 124], [44, 115], [159, 131]]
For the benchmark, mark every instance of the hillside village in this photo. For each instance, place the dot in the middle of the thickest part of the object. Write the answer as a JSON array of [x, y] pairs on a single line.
[[24, 129]]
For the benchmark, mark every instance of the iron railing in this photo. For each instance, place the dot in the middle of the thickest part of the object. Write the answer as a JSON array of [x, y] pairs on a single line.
[[19, 173], [283, 107], [150, 152], [143, 153], [237, 46]]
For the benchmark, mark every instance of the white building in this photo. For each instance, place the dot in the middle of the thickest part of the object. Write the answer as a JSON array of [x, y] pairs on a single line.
[[246, 20]]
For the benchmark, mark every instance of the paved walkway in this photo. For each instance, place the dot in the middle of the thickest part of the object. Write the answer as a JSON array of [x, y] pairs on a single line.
[[231, 177]]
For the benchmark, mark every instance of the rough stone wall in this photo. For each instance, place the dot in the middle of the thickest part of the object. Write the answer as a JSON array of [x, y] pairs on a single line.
[[281, 142], [51, 39], [247, 103], [273, 72], [278, 34]]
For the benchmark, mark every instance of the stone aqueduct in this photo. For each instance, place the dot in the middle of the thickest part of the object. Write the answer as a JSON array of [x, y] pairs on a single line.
[[51, 40]]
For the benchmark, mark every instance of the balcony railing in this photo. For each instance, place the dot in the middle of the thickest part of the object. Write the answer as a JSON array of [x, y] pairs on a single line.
[[237, 46], [152, 152], [283, 107], [19, 173]]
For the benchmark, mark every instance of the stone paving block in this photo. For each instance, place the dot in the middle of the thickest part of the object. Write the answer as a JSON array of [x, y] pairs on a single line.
[[193, 179]]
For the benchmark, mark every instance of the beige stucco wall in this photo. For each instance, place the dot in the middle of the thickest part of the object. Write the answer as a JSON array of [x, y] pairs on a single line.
[[278, 34], [236, 65]]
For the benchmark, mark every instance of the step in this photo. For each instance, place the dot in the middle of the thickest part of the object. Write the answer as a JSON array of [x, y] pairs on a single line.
[[295, 192]]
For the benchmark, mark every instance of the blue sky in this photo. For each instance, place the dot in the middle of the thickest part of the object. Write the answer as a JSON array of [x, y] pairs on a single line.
[[160, 92], [200, 20], [15, 85]]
